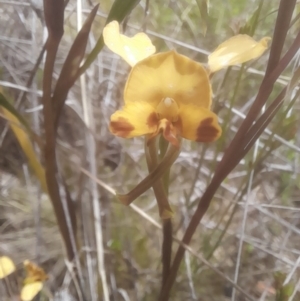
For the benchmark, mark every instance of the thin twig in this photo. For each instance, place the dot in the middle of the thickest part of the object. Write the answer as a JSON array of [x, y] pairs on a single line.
[[91, 148]]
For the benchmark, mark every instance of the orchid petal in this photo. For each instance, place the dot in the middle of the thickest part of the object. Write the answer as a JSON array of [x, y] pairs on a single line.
[[132, 50], [236, 50]]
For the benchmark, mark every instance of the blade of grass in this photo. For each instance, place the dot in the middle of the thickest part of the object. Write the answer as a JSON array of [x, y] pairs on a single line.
[[54, 17], [10, 108], [203, 6], [27, 147], [70, 69]]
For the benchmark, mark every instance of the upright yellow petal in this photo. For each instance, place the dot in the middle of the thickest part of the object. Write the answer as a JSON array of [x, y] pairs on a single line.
[[134, 120], [168, 75], [236, 50], [198, 124], [30, 290], [7, 266], [132, 50]]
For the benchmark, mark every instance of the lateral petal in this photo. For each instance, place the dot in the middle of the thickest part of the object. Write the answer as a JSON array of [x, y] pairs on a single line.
[[134, 120], [30, 290], [236, 50], [198, 124]]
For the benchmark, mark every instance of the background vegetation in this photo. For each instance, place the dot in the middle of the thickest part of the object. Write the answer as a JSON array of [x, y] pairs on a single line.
[[247, 244]]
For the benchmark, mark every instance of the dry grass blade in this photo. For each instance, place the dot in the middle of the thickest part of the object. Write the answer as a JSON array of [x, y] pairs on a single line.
[[285, 12], [54, 16], [70, 69], [27, 147]]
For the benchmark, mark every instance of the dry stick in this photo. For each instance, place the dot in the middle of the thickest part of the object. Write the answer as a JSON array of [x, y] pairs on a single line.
[[55, 31], [76, 51], [66, 79], [227, 164]]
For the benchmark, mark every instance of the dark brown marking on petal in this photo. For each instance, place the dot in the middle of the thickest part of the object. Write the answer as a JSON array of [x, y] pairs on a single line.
[[152, 120], [207, 121], [121, 127], [206, 131]]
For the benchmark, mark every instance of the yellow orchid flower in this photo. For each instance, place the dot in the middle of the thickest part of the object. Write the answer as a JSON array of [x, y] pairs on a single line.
[[33, 283], [168, 93], [165, 92]]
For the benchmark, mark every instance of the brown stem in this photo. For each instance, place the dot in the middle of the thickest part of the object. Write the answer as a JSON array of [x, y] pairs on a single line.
[[164, 210], [166, 250], [155, 175]]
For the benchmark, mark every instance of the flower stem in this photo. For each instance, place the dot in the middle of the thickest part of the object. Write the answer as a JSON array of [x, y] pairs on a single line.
[[161, 193], [154, 176], [165, 210], [166, 250], [166, 254]]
